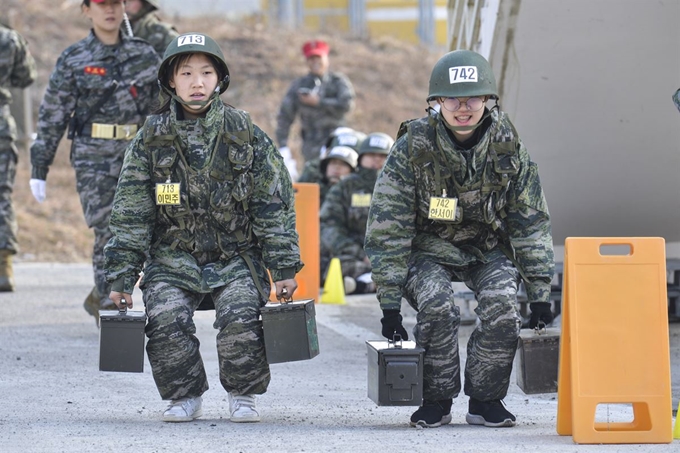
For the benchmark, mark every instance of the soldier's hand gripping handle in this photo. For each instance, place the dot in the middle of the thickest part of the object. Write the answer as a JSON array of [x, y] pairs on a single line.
[[540, 312], [285, 289], [391, 324], [120, 299]]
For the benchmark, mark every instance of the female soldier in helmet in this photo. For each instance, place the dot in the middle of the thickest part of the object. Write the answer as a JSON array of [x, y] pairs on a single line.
[[459, 199], [204, 206]]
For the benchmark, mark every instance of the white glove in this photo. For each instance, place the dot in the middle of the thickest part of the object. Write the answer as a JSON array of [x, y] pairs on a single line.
[[38, 189], [290, 163]]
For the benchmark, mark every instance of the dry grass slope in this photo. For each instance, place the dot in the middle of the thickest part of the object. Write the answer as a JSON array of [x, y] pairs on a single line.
[[390, 78]]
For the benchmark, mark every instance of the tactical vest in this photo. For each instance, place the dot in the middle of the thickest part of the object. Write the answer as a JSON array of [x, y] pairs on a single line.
[[226, 183], [481, 204]]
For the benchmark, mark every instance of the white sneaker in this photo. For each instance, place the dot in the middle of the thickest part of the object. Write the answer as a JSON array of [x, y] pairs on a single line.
[[242, 408], [183, 410]]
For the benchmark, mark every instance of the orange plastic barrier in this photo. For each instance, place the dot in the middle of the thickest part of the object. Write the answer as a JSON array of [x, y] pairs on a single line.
[[615, 346], [307, 225]]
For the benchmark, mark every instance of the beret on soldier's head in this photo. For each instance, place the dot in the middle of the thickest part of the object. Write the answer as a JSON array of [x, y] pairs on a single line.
[[315, 48]]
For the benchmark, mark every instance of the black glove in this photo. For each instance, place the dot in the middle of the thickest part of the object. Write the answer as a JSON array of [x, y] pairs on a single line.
[[540, 312], [391, 324]]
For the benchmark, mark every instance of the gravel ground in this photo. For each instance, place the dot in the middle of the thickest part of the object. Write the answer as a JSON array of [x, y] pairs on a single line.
[[56, 399]]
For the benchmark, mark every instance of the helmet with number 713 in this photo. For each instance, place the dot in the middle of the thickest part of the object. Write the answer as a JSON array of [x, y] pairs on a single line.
[[462, 73], [193, 43]]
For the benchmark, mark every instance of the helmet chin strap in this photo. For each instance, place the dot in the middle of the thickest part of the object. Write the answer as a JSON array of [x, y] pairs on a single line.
[[192, 104]]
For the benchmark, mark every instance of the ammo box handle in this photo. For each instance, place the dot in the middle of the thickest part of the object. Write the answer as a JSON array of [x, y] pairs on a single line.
[[395, 341], [122, 311]]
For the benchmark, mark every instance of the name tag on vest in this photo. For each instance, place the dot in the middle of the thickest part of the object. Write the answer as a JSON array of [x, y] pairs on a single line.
[[167, 193], [361, 200], [442, 208]]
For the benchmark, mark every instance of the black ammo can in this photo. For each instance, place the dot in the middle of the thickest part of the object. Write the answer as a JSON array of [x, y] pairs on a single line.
[[290, 331], [538, 353], [395, 373], [121, 340]]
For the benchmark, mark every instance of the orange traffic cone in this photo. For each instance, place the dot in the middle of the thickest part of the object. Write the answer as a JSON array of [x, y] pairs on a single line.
[[334, 287]]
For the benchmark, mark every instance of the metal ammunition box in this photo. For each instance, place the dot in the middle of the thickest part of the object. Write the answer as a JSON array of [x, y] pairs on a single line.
[[121, 340], [395, 373], [537, 360], [290, 331]]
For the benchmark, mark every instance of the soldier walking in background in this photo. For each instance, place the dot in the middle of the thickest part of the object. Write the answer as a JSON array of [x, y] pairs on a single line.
[[101, 88], [17, 70], [345, 210], [459, 199], [676, 99], [147, 25], [204, 208], [321, 98]]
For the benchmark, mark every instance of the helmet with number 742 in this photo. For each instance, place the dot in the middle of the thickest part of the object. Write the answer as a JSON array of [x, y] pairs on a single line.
[[462, 73]]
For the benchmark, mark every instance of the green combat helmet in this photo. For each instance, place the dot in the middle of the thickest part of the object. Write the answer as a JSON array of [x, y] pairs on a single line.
[[192, 43], [462, 73], [376, 143]]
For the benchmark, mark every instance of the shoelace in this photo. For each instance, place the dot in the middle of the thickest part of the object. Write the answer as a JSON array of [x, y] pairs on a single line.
[[184, 404]]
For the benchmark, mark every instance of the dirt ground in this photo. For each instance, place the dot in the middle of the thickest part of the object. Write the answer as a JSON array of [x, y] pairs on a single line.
[[390, 78]]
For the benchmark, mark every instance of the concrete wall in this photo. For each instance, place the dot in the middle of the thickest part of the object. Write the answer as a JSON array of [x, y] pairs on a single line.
[[588, 85]]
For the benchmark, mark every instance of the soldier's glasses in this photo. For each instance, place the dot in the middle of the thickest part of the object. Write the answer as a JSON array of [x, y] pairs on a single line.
[[453, 104]]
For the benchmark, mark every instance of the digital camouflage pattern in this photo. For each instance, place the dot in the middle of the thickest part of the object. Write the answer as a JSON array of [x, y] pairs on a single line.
[[82, 75], [316, 123], [190, 245], [151, 29], [676, 99], [17, 70], [236, 201], [173, 349], [343, 220], [500, 230]]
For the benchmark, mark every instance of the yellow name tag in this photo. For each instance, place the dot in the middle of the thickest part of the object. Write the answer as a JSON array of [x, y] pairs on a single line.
[[167, 193], [442, 208], [361, 200]]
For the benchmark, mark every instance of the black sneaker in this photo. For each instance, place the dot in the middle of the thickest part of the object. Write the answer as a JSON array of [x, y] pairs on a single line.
[[432, 414], [489, 413]]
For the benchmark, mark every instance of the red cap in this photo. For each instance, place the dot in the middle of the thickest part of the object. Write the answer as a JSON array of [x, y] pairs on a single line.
[[315, 48], [102, 1]]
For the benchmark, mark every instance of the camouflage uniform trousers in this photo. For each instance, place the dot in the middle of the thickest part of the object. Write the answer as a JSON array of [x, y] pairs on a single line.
[[96, 191], [8, 221], [353, 266], [313, 139], [173, 348], [492, 345]]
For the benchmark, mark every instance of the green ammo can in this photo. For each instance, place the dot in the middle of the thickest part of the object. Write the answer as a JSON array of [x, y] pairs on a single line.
[[395, 373], [121, 340], [538, 353], [290, 331]]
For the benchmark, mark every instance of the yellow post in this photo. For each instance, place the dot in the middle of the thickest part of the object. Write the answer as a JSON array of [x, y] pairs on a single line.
[[676, 430]]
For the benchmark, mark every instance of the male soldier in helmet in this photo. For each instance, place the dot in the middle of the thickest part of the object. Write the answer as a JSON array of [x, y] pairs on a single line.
[[17, 70], [459, 199], [345, 210], [204, 207], [320, 172], [147, 25], [322, 99]]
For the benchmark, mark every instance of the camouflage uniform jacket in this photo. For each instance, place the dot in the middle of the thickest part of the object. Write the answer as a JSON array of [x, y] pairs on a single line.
[[154, 31], [345, 211], [317, 123], [491, 212], [17, 70], [676, 99], [83, 74], [236, 198], [312, 173]]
